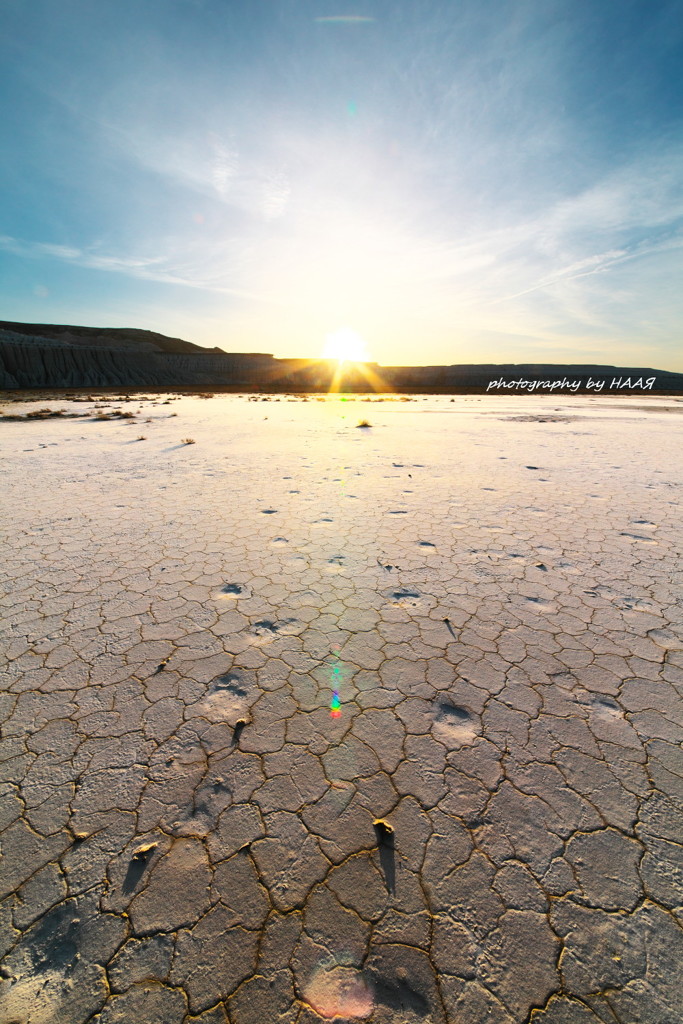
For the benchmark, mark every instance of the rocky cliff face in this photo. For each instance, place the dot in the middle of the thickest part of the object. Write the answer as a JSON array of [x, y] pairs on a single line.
[[48, 355], [55, 356], [36, 366], [122, 338]]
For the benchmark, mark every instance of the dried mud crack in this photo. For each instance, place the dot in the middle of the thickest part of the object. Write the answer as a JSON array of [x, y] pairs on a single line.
[[316, 767]]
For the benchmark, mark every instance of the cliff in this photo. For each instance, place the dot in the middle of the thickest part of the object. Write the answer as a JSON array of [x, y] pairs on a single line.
[[50, 355], [502, 378], [59, 356], [122, 338]]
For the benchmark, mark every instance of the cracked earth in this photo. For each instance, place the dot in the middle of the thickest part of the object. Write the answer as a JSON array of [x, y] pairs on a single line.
[[489, 829]]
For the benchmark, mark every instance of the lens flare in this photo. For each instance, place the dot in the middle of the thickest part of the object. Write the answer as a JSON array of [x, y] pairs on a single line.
[[335, 705]]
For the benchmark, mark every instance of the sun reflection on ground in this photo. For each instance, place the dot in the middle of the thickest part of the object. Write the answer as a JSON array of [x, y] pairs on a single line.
[[339, 992]]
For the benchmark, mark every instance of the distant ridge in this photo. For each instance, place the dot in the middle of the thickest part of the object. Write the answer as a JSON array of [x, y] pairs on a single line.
[[122, 338], [67, 356]]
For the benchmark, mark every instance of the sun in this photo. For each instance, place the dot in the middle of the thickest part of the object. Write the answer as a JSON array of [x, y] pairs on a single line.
[[346, 346]]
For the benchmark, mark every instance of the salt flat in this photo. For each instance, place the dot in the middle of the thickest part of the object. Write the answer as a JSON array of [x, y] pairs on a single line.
[[490, 829]]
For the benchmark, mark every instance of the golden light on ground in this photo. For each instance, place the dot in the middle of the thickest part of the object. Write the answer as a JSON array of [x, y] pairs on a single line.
[[346, 346], [339, 992], [350, 351]]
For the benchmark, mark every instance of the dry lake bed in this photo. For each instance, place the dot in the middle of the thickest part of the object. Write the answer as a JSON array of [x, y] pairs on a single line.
[[308, 721]]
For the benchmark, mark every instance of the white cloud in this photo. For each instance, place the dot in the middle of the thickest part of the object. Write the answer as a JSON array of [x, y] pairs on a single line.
[[276, 193], [224, 167]]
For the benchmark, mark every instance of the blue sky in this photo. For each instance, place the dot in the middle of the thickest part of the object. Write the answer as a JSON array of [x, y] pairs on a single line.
[[455, 181]]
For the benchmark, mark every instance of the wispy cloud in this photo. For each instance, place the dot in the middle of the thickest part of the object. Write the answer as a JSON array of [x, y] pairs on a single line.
[[466, 176], [146, 268], [597, 264], [276, 193], [224, 166]]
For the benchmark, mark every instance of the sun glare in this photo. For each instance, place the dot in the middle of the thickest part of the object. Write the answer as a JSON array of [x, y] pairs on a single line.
[[346, 346]]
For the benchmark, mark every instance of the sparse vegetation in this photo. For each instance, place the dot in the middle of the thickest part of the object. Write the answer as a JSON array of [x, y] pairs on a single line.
[[141, 437], [44, 414], [188, 440], [173, 414], [363, 424]]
